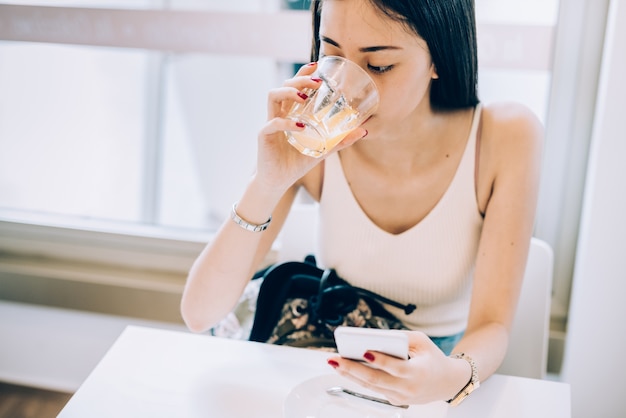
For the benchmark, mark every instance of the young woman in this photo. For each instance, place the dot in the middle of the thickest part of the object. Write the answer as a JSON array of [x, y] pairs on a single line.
[[431, 201]]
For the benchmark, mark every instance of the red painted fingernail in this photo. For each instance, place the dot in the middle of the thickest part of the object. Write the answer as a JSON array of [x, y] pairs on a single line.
[[312, 64], [300, 124], [369, 356], [302, 95], [333, 363], [317, 80]]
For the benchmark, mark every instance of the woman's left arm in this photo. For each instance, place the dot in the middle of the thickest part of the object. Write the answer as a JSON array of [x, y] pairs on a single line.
[[508, 183], [507, 188]]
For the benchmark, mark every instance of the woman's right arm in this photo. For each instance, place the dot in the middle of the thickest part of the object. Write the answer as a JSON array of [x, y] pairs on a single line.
[[221, 272]]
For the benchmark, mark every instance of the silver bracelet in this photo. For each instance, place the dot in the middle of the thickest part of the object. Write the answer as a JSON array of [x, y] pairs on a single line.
[[247, 225]]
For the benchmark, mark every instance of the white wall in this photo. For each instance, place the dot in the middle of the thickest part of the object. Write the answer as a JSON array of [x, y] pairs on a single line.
[[56, 348], [594, 362]]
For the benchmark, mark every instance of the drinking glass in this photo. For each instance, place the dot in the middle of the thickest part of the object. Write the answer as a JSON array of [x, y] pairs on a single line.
[[346, 98]]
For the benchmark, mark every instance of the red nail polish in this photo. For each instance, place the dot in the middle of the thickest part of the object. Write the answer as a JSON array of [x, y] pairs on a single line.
[[312, 64], [369, 356], [302, 95], [333, 363], [317, 80], [300, 124]]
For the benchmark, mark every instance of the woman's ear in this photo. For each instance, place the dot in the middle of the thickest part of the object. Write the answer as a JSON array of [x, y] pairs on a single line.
[[433, 70]]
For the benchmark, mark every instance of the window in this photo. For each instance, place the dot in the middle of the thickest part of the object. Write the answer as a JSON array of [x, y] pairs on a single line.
[[133, 135], [145, 136]]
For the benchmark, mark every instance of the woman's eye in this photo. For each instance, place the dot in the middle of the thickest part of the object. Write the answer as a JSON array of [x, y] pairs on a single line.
[[379, 70]]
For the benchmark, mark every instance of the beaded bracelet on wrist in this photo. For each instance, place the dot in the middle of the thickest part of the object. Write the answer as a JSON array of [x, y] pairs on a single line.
[[471, 386]]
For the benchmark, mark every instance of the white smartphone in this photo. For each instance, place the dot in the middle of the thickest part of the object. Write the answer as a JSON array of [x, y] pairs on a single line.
[[353, 342]]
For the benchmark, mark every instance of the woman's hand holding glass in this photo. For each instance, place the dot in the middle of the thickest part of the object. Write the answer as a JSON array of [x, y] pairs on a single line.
[[279, 164]]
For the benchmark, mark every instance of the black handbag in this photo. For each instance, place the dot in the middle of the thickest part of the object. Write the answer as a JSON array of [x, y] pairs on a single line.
[[300, 305]]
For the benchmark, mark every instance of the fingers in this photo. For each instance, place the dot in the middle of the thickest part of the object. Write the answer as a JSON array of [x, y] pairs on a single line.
[[391, 365], [279, 98], [371, 377], [370, 371], [280, 124], [305, 75], [295, 89], [418, 339], [421, 345], [307, 69]]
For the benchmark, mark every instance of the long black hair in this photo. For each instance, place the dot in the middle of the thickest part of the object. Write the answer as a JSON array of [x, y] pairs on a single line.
[[449, 29]]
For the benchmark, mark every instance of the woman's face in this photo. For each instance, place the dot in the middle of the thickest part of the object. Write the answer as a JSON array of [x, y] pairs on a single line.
[[396, 59]]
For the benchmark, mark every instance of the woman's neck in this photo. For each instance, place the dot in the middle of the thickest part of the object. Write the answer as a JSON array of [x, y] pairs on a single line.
[[416, 145]]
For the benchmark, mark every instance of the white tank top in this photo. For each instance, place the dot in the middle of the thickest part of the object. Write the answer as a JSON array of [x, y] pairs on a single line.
[[430, 265]]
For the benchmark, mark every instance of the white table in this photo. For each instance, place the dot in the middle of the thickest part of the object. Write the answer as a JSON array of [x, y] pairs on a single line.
[[157, 373]]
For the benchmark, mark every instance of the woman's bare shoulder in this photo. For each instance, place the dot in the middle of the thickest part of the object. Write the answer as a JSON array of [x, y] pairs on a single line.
[[511, 120], [510, 129], [510, 148]]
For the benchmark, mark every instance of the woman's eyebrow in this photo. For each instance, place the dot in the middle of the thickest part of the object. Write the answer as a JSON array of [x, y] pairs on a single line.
[[364, 49]]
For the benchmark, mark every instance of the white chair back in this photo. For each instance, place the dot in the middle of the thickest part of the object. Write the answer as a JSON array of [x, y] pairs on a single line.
[[527, 355]]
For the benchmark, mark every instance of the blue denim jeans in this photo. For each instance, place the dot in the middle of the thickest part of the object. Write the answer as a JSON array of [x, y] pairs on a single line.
[[446, 344]]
